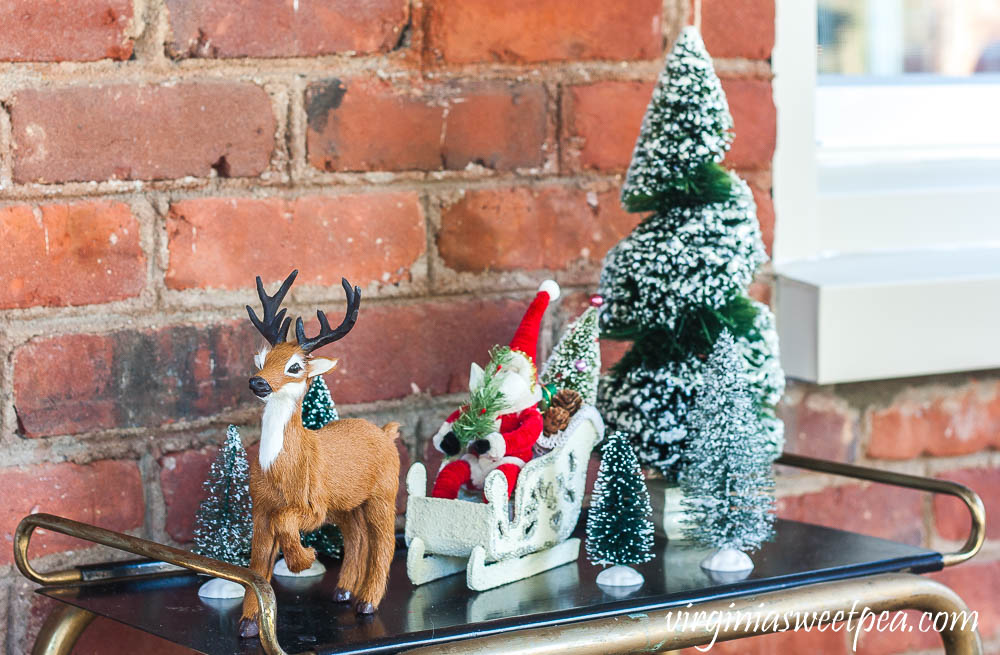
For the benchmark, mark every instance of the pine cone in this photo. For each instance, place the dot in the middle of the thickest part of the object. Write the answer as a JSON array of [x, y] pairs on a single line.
[[567, 399], [555, 420]]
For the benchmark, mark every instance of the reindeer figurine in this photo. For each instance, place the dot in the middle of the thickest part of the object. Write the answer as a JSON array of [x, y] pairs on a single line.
[[344, 473]]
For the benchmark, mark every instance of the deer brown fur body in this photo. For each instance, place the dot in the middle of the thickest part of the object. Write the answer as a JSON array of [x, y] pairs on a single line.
[[345, 473]]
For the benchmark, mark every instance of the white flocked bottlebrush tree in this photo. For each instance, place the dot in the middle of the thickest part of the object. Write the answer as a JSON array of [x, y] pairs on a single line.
[[680, 278], [224, 521], [575, 362], [727, 481]]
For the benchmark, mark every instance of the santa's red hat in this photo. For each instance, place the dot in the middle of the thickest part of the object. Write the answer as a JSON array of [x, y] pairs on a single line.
[[526, 338]]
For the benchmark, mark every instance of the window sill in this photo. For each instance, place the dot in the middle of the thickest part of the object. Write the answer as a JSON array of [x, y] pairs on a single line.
[[851, 318]]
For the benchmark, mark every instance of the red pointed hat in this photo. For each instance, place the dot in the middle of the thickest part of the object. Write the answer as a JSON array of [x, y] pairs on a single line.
[[526, 338]]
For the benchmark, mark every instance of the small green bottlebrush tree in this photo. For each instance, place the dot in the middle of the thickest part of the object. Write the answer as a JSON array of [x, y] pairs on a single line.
[[680, 278], [619, 530], [317, 405], [318, 409], [327, 541], [727, 479], [224, 521], [575, 362]]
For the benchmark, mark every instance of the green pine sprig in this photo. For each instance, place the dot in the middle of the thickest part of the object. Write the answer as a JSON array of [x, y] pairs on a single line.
[[486, 402]]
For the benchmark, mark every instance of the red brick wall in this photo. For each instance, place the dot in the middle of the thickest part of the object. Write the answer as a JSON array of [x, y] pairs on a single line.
[[444, 154]]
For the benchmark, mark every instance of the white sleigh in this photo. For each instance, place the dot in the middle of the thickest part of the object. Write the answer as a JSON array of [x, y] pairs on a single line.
[[493, 545]]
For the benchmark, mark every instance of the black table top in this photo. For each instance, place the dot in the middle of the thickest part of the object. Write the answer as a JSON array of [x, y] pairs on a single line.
[[445, 610]]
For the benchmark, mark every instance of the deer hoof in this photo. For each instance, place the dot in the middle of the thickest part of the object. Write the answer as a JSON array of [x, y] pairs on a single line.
[[249, 628], [364, 608], [341, 595]]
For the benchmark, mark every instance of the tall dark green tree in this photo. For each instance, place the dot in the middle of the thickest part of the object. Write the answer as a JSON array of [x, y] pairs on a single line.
[[224, 521], [619, 530], [727, 482], [680, 278]]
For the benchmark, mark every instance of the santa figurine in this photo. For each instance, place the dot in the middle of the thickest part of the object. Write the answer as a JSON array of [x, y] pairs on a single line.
[[519, 423]]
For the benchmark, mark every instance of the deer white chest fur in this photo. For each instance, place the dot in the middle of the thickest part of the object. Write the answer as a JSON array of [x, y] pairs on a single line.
[[277, 412]]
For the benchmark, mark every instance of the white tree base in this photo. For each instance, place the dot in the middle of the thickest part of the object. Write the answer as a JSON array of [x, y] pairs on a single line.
[[619, 576], [221, 588], [728, 560], [281, 570], [479, 575]]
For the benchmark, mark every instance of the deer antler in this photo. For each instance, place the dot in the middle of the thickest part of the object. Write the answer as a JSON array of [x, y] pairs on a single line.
[[273, 326], [326, 335]]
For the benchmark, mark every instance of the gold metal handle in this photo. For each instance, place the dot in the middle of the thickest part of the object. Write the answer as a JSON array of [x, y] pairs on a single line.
[[198, 563], [977, 534]]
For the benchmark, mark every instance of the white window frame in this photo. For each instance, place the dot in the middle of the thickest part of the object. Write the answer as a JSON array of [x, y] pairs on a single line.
[[887, 240]]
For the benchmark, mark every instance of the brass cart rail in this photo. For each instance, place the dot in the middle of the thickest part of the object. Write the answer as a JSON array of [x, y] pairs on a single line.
[[145, 548], [608, 635], [977, 512]]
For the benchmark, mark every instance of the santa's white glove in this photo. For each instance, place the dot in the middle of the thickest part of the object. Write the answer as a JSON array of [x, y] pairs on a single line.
[[493, 446]]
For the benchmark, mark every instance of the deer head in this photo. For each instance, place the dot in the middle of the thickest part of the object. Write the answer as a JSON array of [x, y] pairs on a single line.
[[284, 368]]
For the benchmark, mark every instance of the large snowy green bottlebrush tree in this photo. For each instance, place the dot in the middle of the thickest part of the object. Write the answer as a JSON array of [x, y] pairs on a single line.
[[680, 278]]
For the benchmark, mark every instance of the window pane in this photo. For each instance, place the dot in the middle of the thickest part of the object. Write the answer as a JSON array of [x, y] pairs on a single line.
[[894, 37]]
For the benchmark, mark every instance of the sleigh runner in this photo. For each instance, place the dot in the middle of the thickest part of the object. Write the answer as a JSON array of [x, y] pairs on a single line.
[[494, 545]]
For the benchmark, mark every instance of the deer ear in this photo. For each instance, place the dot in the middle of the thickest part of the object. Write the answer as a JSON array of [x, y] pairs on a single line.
[[476, 375], [320, 365]]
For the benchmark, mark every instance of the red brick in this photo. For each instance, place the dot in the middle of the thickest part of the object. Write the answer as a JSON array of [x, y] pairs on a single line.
[[611, 352], [951, 518], [547, 227], [738, 28], [601, 123], [945, 422], [826, 642], [133, 378], [181, 478], [370, 124], [107, 637], [223, 243], [397, 350], [141, 132], [263, 28], [75, 254], [760, 291], [819, 425], [754, 122], [765, 212], [466, 31], [876, 510], [46, 31], [105, 493], [977, 584]]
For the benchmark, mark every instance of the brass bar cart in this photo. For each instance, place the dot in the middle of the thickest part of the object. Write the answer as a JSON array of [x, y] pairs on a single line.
[[541, 615]]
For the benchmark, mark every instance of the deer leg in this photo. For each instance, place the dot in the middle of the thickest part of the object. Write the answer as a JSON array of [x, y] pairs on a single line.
[[381, 524], [355, 555], [297, 558], [263, 552]]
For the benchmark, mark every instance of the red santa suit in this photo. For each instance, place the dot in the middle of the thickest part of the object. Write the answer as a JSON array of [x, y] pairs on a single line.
[[510, 447]]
